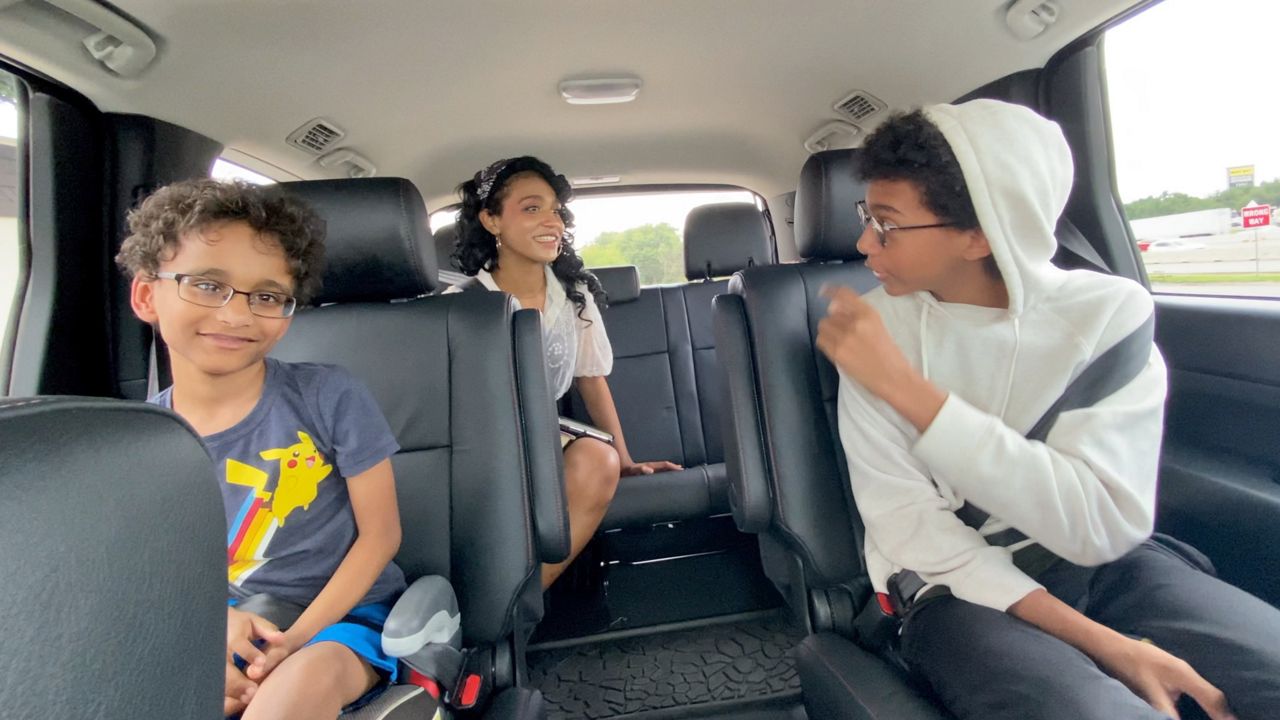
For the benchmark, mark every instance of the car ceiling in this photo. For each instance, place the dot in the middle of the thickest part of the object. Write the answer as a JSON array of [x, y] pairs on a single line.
[[433, 89]]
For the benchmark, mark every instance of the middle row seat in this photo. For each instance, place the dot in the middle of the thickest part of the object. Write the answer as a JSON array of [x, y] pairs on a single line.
[[666, 382], [460, 382]]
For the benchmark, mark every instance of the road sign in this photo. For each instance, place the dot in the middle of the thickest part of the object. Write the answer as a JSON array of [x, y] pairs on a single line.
[[1255, 216], [1240, 176]]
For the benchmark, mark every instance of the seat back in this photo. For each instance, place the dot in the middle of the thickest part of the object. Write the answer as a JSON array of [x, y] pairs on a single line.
[[460, 380], [666, 381], [788, 476], [115, 533]]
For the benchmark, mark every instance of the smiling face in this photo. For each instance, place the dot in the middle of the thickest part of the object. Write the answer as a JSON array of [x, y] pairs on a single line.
[[946, 261], [225, 340], [529, 224]]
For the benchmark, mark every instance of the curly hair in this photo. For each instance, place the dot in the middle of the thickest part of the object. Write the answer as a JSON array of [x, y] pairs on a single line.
[[477, 249], [157, 225], [908, 146]]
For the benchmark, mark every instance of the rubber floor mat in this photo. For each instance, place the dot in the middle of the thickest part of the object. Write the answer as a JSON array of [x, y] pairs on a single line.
[[714, 663]]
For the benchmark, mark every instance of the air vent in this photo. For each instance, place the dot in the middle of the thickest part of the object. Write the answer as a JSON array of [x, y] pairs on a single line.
[[316, 137], [859, 105]]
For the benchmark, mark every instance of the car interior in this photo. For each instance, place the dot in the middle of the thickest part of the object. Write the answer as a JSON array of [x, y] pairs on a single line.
[[730, 588]]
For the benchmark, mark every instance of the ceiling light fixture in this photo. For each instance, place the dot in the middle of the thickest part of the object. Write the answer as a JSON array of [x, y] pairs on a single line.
[[600, 91], [595, 180]]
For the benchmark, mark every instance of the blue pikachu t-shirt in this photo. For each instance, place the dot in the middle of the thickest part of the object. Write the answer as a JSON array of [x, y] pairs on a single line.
[[283, 471]]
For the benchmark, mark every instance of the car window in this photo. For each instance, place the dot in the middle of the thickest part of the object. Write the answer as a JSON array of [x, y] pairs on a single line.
[[224, 169], [641, 229], [11, 251], [1197, 156]]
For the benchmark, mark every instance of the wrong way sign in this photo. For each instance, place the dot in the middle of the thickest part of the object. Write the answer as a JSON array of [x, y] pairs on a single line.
[[1255, 216]]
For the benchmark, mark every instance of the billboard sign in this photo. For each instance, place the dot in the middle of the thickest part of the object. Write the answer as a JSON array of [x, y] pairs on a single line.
[[1240, 176]]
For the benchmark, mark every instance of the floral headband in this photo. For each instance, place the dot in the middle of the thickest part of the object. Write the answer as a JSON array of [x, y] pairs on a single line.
[[485, 178]]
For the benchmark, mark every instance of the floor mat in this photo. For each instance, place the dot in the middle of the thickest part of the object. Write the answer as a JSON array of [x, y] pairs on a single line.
[[713, 663]]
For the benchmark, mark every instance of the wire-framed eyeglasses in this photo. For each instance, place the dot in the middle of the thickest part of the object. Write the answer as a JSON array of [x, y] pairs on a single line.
[[207, 292]]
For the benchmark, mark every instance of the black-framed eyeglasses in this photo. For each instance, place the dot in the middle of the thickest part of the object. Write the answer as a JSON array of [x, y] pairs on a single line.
[[882, 229], [207, 292]]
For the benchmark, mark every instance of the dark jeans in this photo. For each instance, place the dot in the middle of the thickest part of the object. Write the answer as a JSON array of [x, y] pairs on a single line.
[[988, 664]]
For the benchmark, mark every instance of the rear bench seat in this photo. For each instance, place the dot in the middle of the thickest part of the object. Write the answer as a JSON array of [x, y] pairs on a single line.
[[666, 381]]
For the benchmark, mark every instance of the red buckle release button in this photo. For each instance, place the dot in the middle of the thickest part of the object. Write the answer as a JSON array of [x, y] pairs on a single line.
[[886, 606], [470, 691]]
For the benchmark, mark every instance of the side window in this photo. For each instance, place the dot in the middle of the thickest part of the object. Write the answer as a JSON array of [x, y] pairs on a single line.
[[641, 229], [11, 250], [1196, 152]]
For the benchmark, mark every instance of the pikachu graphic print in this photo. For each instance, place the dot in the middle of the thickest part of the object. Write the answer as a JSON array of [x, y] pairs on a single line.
[[301, 470]]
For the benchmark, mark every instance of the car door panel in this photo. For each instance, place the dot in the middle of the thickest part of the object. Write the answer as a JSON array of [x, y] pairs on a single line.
[[1220, 469]]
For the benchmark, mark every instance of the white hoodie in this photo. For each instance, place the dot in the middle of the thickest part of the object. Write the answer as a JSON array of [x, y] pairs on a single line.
[[1088, 492]]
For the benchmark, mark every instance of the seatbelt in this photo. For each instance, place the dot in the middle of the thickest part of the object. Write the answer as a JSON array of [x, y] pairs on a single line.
[[159, 371], [1109, 372], [1071, 240]]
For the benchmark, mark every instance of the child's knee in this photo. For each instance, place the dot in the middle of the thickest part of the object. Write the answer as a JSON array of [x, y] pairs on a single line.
[[329, 674]]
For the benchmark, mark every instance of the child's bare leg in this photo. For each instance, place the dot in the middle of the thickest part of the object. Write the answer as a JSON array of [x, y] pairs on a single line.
[[315, 682]]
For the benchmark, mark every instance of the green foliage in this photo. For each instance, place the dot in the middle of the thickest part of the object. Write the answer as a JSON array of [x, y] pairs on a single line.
[[8, 88], [655, 250], [1267, 193], [1215, 278]]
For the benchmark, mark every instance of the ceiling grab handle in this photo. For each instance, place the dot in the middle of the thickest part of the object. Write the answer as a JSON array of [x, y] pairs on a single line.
[[120, 44], [361, 167]]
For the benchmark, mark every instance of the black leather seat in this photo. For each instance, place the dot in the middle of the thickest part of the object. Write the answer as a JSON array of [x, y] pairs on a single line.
[[460, 379], [789, 480], [666, 381], [114, 595]]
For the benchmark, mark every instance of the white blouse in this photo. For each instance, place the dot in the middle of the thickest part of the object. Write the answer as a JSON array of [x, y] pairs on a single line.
[[574, 347]]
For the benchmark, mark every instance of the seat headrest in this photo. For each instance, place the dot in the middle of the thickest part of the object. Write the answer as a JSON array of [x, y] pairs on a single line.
[[723, 238], [621, 282], [826, 218], [378, 244]]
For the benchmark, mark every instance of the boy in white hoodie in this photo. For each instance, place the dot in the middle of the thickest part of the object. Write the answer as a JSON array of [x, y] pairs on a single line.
[[1035, 611]]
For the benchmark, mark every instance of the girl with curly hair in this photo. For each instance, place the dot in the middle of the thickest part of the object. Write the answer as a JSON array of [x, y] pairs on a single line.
[[513, 236]]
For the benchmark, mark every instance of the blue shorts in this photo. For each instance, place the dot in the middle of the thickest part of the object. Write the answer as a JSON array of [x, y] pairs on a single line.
[[356, 632]]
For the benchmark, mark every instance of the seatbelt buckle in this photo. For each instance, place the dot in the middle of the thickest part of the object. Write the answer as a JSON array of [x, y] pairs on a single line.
[[474, 681], [876, 625], [893, 599]]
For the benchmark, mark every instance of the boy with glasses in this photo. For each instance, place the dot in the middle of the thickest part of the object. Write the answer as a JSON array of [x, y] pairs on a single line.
[[301, 450], [1013, 540]]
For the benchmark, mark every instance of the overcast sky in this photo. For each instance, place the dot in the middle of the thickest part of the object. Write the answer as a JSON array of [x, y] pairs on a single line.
[[1193, 89]]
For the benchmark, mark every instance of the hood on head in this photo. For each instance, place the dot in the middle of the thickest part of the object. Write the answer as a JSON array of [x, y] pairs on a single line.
[[1019, 171]]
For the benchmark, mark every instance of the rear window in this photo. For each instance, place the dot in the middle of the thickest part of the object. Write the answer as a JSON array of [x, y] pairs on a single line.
[[644, 229], [224, 169]]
